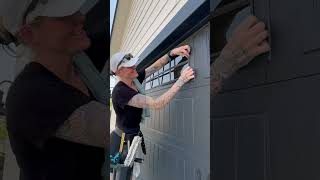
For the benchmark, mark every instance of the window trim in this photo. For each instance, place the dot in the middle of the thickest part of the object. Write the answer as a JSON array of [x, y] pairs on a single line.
[[159, 76]]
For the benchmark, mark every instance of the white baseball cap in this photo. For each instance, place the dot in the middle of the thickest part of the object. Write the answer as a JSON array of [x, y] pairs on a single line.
[[119, 60], [12, 12]]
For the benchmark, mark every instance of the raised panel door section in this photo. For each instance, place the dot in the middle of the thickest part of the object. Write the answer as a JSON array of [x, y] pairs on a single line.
[[295, 39]]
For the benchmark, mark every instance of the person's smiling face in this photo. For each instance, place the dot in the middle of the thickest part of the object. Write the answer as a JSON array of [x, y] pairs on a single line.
[[59, 34]]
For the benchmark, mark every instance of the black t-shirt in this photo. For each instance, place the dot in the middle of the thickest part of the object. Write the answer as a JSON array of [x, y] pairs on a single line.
[[128, 117], [38, 103]]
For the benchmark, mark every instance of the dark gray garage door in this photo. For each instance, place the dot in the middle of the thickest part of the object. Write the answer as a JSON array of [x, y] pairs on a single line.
[[177, 137], [265, 122]]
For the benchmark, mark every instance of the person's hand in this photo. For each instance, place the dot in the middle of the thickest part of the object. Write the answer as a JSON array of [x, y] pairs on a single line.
[[186, 75], [181, 51], [247, 42]]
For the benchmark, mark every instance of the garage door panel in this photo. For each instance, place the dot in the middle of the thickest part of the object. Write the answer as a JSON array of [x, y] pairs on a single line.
[[240, 147], [312, 40], [295, 49], [295, 125], [246, 101], [252, 148], [223, 150], [179, 138]]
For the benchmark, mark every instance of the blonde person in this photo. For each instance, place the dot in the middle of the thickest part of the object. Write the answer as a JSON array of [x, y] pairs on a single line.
[[57, 129]]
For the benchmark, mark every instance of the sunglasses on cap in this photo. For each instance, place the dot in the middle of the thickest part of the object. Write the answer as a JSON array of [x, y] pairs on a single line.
[[9, 38], [6, 37], [125, 59]]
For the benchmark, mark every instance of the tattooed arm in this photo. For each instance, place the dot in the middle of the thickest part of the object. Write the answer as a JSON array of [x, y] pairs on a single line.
[[179, 51], [224, 66], [87, 125], [157, 65], [247, 42], [215, 81], [142, 101]]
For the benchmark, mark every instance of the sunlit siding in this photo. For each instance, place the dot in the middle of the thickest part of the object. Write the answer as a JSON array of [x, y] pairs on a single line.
[[146, 20]]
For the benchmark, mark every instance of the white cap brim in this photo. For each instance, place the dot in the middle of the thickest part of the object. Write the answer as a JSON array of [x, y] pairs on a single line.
[[12, 11], [61, 8], [132, 62]]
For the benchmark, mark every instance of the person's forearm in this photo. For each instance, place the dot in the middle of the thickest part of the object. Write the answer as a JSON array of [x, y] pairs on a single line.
[[142, 101], [216, 81], [165, 98], [156, 66], [87, 125], [224, 66]]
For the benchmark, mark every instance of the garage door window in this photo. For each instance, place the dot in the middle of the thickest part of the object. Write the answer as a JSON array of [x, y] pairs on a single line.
[[168, 74]]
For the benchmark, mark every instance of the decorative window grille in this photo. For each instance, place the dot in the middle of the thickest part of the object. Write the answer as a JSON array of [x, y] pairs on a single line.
[[167, 74]]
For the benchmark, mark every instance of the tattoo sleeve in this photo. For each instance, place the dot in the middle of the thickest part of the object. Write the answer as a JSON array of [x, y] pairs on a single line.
[[142, 101], [223, 67], [87, 125], [156, 66], [215, 80]]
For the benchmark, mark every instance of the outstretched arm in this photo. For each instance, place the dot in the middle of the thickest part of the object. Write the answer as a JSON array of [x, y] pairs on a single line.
[[156, 66], [87, 125], [142, 101], [247, 42]]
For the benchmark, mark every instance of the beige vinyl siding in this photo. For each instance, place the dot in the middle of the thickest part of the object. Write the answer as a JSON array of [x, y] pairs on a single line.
[[120, 24], [146, 20]]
